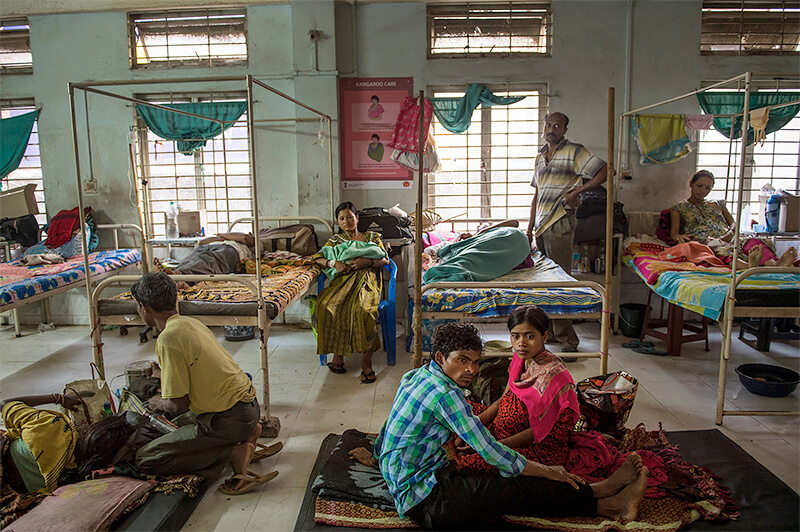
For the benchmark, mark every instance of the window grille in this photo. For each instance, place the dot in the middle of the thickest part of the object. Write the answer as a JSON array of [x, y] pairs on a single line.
[[489, 30], [777, 162], [30, 168], [487, 170], [750, 27], [215, 178], [188, 38], [15, 46]]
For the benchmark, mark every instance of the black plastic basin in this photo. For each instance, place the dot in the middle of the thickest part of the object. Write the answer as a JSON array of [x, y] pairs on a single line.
[[767, 379]]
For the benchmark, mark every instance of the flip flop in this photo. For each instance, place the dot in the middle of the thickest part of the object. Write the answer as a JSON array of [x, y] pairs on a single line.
[[252, 481], [637, 343], [337, 368], [649, 350], [368, 378], [266, 451]]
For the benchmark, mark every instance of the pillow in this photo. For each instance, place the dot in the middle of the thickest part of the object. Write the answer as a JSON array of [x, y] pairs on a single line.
[[84, 506]]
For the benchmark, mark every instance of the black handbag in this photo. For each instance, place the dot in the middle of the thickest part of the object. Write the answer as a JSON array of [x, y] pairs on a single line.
[[23, 230], [381, 221]]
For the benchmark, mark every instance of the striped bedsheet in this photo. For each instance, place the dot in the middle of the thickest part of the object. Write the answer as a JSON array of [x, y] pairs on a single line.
[[494, 302], [21, 282], [213, 298], [703, 289]]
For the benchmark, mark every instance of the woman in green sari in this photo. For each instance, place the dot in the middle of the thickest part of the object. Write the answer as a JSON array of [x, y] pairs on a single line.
[[347, 310]]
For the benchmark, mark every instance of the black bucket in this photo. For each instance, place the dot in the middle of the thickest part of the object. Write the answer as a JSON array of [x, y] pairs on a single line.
[[631, 319]]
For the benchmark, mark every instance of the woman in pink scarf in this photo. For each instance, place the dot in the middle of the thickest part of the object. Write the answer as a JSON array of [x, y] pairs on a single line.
[[537, 413]]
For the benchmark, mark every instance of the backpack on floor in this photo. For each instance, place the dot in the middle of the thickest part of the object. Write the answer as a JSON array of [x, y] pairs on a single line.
[[298, 238]]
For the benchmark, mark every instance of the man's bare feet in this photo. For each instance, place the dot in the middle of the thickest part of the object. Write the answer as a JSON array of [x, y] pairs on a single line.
[[241, 455], [620, 478], [364, 456], [755, 256], [788, 258], [625, 504], [161, 268]]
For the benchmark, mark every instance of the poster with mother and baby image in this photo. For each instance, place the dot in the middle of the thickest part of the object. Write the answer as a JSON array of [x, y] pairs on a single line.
[[368, 110]]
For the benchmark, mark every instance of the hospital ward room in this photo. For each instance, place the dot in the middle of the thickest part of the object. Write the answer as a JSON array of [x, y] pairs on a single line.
[[321, 265]]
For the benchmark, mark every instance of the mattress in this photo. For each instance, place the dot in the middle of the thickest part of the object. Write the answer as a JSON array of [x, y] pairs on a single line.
[[494, 302], [703, 290], [21, 282], [222, 298]]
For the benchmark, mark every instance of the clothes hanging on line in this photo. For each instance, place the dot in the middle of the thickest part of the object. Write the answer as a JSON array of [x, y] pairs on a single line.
[[695, 123], [758, 120], [661, 138]]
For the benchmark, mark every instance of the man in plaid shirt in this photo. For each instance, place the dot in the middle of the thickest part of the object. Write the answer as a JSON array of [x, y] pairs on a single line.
[[430, 408]]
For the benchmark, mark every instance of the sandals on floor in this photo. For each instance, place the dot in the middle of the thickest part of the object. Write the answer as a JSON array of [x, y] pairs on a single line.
[[266, 451], [251, 481], [649, 350], [368, 378], [637, 343], [337, 368]]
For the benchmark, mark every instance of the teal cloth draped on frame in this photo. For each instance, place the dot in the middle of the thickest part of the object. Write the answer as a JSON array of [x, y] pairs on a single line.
[[729, 103], [15, 132], [190, 132], [455, 114], [483, 257]]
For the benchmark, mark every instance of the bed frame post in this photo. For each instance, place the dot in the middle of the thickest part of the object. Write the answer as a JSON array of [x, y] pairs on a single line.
[[605, 318], [730, 299], [416, 360]]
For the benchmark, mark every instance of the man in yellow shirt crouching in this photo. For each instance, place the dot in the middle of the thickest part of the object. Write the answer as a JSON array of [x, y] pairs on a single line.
[[203, 391]]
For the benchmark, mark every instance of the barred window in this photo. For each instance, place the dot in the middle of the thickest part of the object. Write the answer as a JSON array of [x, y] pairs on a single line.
[[489, 30], [30, 168], [775, 163], [750, 27], [15, 46], [487, 170], [188, 38], [215, 178]]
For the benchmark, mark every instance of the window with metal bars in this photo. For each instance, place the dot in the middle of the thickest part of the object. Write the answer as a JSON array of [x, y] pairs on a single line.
[[486, 171], [188, 38], [215, 178], [750, 27], [15, 46], [489, 29], [777, 162], [30, 168]]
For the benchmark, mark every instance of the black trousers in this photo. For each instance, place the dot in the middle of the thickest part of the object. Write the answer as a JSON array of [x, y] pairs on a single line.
[[463, 497]]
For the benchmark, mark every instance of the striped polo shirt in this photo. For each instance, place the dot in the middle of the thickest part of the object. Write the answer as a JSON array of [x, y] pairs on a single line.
[[569, 166]]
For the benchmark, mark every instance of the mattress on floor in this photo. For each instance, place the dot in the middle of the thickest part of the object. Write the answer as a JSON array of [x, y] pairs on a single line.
[[222, 298], [21, 282], [494, 302], [704, 292]]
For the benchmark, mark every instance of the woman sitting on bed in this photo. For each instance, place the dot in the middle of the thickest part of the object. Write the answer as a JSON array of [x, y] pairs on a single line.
[[347, 310], [537, 413], [710, 223]]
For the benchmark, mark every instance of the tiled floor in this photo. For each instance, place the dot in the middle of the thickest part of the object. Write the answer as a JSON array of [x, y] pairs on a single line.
[[679, 393]]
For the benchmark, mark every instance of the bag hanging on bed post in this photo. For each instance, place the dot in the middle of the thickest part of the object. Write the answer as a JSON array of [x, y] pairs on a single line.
[[93, 393]]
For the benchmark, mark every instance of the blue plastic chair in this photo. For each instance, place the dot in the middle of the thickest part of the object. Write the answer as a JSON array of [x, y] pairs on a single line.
[[386, 315]]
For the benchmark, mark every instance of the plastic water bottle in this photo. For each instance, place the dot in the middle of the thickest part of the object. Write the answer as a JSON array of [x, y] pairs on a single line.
[[160, 423], [772, 214], [172, 220], [107, 410]]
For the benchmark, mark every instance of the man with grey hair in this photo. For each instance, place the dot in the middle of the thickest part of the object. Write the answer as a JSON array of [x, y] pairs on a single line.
[[563, 170], [203, 391]]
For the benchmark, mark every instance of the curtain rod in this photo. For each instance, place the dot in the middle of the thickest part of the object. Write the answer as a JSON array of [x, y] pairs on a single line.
[[693, 93]]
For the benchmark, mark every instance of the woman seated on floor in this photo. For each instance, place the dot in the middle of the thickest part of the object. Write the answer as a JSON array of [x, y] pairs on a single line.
[[346, 310], [710, 223], [537, 413]]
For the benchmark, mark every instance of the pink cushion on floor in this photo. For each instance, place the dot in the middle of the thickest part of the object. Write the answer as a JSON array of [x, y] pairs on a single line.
[[84, 506]]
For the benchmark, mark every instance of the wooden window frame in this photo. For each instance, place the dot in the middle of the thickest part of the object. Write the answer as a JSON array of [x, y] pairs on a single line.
[[750, 27]]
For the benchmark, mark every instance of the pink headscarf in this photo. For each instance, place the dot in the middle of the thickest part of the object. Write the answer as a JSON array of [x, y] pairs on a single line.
[[546, 389]]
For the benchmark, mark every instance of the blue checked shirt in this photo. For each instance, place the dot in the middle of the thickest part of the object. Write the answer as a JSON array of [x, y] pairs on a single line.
[[428, 408]]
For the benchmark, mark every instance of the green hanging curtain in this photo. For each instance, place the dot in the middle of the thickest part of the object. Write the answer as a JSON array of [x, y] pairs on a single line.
[[455, 114], [729, 103], [14, 135], [186, 130]]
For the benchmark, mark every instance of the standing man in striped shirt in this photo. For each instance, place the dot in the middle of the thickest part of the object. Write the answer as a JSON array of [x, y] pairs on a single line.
[[563, 170], [430, 408]]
